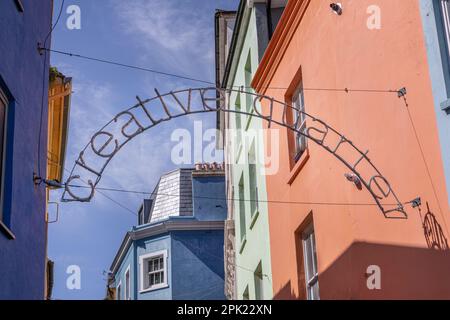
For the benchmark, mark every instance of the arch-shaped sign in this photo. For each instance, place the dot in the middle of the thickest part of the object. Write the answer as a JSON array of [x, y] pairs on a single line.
[[146, 114]]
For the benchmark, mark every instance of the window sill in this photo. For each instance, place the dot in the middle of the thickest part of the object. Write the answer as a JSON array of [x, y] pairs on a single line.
[[8, 233], [254, 219], [243, 243], [298, 166], [163, 286]]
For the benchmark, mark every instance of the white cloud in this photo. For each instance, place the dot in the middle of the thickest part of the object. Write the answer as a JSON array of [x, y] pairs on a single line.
[[178, 35]]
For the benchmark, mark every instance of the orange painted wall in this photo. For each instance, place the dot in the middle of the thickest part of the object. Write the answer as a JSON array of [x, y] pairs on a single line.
[[337, 52]]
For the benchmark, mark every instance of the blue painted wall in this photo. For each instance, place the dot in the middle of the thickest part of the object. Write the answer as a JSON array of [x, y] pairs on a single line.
[[137, 249], [151, 245], [128, 261], [22, 261], [198, 268], [195, 265], [439, 74], [209, 198]]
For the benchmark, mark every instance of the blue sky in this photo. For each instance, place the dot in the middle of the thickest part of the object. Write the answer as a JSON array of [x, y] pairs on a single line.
[[169, 35]]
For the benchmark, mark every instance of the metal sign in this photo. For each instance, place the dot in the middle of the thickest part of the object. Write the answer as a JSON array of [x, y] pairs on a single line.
[[146, 114]]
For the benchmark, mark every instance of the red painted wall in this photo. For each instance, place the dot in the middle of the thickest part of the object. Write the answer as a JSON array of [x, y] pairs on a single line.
[[338, 52]]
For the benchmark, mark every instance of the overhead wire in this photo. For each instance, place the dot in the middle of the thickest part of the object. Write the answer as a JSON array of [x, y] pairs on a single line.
[[430, 177], [233, 199], [43, 87], [151, 70]]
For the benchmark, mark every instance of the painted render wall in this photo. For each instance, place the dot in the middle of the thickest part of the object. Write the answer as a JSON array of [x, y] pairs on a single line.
[[22, 261], [197, 260], [336, 52], [137, 249], [209, 198], [428, 10], [128, 261], [256, 247], [194, 266]]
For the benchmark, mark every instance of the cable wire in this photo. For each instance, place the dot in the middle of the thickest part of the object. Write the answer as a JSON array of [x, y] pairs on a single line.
[[43, 87], [120, 64], [105, 195], [424, 160], [150, 70], [234, 199]]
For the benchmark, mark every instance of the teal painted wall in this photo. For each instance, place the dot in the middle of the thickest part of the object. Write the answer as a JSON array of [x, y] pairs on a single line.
[[254, 249]]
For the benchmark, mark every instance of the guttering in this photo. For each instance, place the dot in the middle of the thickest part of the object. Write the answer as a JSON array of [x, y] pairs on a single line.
[[217, 16], [65, 127], [287, 26], [234, 40]]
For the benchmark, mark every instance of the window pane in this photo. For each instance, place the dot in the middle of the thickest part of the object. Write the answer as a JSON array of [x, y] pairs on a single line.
[[446, 20], [252, 176], [152, 279], [315, 291], [258, 283], [242, 221], [298, 121], [309, 272], [150, 265], [127, 285], [314, 253]]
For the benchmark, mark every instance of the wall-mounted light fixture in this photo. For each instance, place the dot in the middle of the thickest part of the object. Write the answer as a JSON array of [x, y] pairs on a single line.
[[337, 8], [355, 179]]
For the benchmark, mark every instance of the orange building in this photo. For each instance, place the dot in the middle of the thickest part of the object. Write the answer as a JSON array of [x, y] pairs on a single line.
[[328, 238]]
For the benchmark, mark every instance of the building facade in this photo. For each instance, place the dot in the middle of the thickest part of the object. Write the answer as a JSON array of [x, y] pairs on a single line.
[[327, 239], [436, 25], [247, 248], [59, 102], [23, 147], [176, 251]]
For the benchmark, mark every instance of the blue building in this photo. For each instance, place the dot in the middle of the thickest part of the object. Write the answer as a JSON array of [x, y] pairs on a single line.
[[24, 75], [176, 251], [436, 24]]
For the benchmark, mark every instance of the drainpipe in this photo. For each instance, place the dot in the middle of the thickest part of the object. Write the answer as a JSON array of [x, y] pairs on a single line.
[[269, 18]]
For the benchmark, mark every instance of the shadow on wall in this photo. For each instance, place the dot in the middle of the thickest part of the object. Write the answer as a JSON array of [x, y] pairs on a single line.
[[286, 293], [433, 232], [404, 273]]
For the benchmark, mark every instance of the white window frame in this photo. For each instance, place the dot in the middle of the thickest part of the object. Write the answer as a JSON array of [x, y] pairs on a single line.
[[127, 290], [311, 279], [119, 290], [445, 13], [299, 121], [143, 274]]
